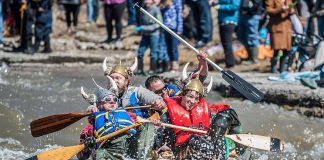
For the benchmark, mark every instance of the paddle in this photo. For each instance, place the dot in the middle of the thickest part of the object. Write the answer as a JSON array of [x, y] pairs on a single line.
[[53, 123], [64, 153], [254, 141], [245, 88]]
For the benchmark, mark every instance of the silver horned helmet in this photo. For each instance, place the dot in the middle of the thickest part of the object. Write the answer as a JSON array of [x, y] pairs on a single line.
[[100, 92]]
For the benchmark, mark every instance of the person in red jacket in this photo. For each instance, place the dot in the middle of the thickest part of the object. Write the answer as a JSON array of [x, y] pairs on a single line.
[[192, 110]]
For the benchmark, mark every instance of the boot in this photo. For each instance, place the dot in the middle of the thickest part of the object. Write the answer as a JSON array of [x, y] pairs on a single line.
[[47, 47], [153, 66], [283, 66], [273, 62], [252, 56], [36, 46], [165, 66], [174, 66], [159, 67], [30, 49], [140, 68]]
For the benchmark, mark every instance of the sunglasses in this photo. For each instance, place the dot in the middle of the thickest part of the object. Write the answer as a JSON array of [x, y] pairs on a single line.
[[160, 90], [109, 99]]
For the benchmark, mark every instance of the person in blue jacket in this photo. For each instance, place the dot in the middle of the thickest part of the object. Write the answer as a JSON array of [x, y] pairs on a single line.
[[228, 15]]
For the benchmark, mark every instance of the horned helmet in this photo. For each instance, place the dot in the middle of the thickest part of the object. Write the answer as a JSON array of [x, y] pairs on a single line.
[[193, 83], [127, 72], [100, 93]]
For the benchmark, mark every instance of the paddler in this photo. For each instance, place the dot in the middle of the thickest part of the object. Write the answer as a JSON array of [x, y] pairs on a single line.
[[156, 84], [192, 110], [130, 95], [107, 119]]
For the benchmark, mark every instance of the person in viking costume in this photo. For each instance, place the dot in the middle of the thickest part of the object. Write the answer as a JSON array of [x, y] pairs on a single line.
[[107, 119], [192, 110], [130, 95]]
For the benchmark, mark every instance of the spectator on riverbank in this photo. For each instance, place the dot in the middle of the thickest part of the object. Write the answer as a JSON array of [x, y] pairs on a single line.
[[280, 31], [228, 15], [319, 12], [202, 17], [114, 10], [248, 26], [150, 37], [92, 11], [71, 7]]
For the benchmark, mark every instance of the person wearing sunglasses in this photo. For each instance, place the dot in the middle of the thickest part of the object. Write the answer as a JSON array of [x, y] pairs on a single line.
[[155, 83], [108, 118]]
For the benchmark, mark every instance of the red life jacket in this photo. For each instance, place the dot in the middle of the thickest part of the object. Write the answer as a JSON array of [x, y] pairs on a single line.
[[197, 117]]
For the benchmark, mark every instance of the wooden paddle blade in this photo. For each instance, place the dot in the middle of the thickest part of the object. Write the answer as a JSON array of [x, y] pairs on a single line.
[[62, 153], [245, 88], [54, 123], [258, 142]]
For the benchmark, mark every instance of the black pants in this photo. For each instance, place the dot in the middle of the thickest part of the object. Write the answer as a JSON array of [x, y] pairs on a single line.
[[73, 9], [226, 35], [114, 12], [203, 20]]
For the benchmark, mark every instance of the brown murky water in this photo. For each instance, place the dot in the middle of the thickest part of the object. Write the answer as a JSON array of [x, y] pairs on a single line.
[[28, 94]]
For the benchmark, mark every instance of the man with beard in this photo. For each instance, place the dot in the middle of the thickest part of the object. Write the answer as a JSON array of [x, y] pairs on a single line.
[[192, 110], [142, 142]]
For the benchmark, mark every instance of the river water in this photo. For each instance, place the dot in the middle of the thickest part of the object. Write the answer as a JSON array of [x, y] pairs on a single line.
[[27, 94]]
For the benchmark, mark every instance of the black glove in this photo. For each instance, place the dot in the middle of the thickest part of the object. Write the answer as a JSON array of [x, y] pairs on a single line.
[[90, 142]]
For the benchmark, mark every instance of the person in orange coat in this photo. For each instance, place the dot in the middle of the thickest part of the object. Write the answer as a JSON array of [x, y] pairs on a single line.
[[280, 31]]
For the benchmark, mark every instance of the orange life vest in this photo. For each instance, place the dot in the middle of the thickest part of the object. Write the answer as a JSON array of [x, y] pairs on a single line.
[[197, 117]]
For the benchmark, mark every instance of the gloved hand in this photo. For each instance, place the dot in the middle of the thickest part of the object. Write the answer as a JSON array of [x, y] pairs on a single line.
[[90, 142], [138, 29]]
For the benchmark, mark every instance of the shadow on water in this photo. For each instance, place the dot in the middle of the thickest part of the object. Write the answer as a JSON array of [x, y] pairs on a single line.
[[28, 94]]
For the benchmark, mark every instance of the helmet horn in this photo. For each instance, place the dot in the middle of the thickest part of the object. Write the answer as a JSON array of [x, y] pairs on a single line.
[[184, 71], [84, 94], [96, 83], [134, 66], [113, 87], [104, 65], [210, 85]]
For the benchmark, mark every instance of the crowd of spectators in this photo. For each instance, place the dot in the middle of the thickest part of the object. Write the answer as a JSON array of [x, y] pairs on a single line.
[[243, 17]]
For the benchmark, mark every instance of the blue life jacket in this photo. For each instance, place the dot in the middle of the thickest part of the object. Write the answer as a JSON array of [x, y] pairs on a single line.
[[133, 101], [172, 90], [111, 121]]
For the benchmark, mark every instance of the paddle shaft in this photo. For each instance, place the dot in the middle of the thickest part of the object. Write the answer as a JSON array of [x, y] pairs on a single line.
[[177, 36], [138, 107], [254, 141]]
